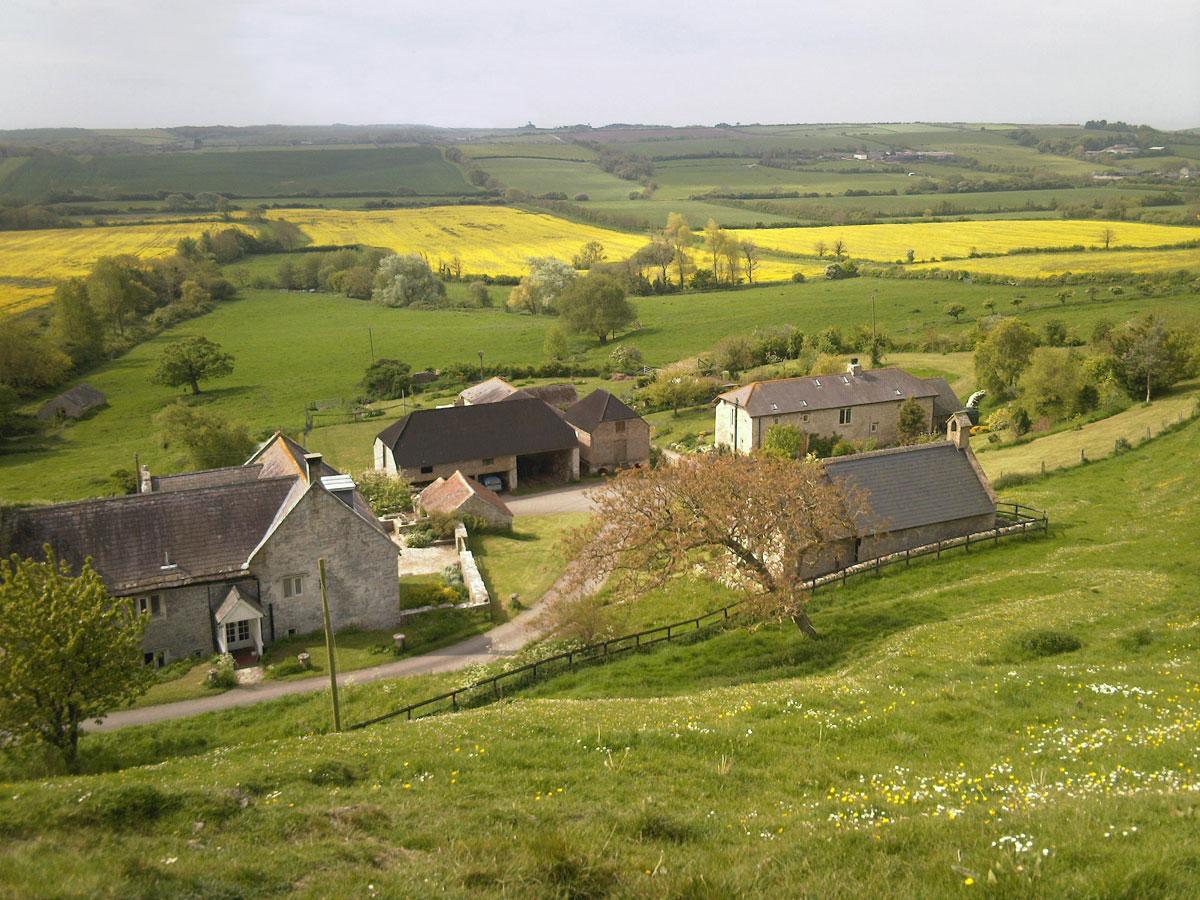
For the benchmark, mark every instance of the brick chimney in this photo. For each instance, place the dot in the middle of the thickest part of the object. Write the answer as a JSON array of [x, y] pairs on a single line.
[[958, 430], [854, 368]]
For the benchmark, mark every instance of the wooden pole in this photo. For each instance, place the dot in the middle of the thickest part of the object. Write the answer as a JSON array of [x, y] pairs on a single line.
[[329, 648]]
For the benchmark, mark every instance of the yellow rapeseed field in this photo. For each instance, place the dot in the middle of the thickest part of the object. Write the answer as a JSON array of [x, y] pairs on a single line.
[[1039, 265], [493, 240], [31, 261], [939, 240]]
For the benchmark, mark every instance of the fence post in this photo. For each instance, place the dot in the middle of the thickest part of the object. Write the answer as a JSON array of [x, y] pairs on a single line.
[[726, 611], [409, 711], [997, 534], [570, 659], [939, 550], [877, 564], [496, 687], [967, 544], [668, 632], [535, 665], [637, 639], [907, 551], [454, 700]]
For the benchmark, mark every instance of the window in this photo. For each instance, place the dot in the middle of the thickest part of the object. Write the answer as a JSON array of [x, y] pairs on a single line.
[[158, 659], [489, 460], [426, 470], [775, 419], [291, 632], [293, 586], [844, 415], [151, 606], [621, 427], [237, 631], [874, 427], [806, 417]]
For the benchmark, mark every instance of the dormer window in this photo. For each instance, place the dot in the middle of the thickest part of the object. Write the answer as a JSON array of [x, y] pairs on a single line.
[[845, 380], [898, 393], [817, 382]]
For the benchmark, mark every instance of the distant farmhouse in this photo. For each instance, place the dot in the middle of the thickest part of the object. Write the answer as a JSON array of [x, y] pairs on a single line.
[[857, 405], [544, 434], [611, 435], [225, 560], [72, 404]]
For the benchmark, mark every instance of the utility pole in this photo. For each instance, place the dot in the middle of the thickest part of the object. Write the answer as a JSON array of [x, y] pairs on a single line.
[[371, 341], [329, 648], [481, 365]]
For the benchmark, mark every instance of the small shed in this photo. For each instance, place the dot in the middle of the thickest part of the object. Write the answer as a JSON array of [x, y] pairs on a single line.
[[463, 496], [72, 404]]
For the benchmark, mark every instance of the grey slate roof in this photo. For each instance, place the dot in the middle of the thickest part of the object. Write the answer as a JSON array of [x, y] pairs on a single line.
[[559, 395], [450, 434], [598, 406], [945, 402], [72, 403], [156, 540], [908, 487], [792, 395], [187, 481]]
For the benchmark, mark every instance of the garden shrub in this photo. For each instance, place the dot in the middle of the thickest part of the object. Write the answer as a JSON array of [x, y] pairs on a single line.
[[223, 673]]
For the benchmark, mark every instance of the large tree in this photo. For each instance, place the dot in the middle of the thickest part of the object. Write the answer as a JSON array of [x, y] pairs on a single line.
[[596, 305], [1003, 354], [75, 328], [190, 361], [758, 523], [913, 421], [657, 254], [211, 442], [387, 379], [540, 289], [70, 652], [28, 362], [117, 291], [406, 281], [679, 235], [1151, 357]]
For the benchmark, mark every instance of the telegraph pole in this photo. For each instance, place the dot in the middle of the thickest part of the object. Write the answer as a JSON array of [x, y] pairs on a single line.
[[329, 648], [481, 378], [371, 341]]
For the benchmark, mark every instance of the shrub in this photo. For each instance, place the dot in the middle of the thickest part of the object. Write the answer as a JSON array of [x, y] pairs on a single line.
[[290, 666], [332, 771], [223, 673], [127, 805], [1045, 642]]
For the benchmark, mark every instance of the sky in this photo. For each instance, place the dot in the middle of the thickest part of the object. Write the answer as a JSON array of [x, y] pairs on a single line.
[[139, 64]]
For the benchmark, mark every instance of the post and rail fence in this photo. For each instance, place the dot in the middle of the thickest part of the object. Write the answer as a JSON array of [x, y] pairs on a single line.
[[1012, 519]]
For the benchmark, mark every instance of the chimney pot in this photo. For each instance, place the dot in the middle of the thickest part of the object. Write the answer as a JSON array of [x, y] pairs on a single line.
[[312, 466], [854, 368], [958, 430]]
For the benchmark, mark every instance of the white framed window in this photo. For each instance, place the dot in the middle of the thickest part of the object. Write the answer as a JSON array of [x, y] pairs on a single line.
[[151, 605], [845, 414], [293, 586], [874, 427], [237, 631]]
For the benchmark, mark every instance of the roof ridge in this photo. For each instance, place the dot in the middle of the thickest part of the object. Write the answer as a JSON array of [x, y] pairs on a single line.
[[145, 497], [889, 451]]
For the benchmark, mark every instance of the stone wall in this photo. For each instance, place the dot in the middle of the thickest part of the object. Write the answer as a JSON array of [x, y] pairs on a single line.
[[615, 444], [878, 421], [185, 627], [909, 538]]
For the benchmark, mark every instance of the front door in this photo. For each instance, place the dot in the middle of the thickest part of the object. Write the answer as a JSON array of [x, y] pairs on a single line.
[[238, 634]]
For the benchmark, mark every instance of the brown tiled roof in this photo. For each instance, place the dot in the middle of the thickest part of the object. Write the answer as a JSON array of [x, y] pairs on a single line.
[[72, 403], [598, 406], [157, 540], [792, 395], [907, 487], [450, 434], [490, 391], [448, 494], [560, 395]]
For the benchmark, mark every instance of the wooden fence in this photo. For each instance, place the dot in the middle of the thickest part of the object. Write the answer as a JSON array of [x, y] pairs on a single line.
[[1012, 519]]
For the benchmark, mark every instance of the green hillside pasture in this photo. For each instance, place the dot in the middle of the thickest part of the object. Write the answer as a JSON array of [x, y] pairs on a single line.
[[923, 747], [320, 347], [527, 149], [247, 173], [681, 179], [543, 176]]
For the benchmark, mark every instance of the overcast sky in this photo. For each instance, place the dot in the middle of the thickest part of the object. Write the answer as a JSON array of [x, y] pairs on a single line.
[[136, 63]]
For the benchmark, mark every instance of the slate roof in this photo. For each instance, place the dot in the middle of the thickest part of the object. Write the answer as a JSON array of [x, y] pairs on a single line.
[[157, 540], [598, 406], [945, 402], [908, 487], [811, 392], [491, 391], [187, 481], [559, 395], [429, 437], [73, 403], [448, 494]]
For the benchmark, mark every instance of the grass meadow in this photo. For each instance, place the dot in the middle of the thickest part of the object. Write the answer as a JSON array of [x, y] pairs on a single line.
[[929, 744], [320, 345]]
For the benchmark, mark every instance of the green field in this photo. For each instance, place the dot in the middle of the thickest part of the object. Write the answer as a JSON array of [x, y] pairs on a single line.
[[246, 173], [543, 176], [328, 346], [915, 750]]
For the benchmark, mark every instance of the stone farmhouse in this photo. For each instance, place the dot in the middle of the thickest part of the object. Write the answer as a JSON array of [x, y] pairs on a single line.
[[72, 404], [517, 439], [912, 496], [225, 560], [611, 435], [459, 495], [857, 405]]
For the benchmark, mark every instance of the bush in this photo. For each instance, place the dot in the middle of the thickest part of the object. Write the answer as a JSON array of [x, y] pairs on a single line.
[[223, 673], [414, 596], [127, 805], [385, 494], [1045, 642]]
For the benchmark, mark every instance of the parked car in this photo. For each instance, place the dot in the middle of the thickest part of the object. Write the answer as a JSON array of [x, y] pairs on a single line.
[[492, 483]]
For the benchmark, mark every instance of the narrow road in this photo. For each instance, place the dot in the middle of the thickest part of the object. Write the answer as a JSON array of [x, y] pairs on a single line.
[[571, 498]]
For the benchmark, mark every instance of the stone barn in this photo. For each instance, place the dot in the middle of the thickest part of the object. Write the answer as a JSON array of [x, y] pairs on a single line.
[[72, 404], [611, 435]]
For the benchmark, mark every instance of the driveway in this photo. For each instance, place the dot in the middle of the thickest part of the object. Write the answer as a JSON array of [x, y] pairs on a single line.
[[571, 498]]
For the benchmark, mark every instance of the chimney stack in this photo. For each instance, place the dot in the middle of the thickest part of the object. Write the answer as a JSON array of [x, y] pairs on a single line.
[[854, 368], [958, 430], [312, 466], [145, 483]]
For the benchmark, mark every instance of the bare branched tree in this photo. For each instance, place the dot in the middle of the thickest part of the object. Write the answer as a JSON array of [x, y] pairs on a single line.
[[757, 524]]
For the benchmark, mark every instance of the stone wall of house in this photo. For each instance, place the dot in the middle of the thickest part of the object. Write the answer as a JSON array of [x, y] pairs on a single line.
[[909, 538], [185, 626], [614, 444], [481, 509], [878, 421], [361, 566]]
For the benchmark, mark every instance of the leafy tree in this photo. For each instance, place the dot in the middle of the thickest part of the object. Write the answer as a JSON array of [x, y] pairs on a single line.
[[910, 255], [71, 652], [75, 328], [589, 254], [1055, 332], [913, 421], [675, 387], [117, 292], [387, 379], [955, 310], [478, 292], [1050, 385], [210, 441], [555, 343], [386, 494], [839, 248], [627, 359], [749, 251], [13, 422], [822, 248], [405, 281], [757, 523], [731, 249], [540, 289], [656, 254], [596, 305], [1150, 357], [784, 442], [28, 362], [356, 282], [679, 235], [714, 240], [734, 354], [1002, 355], [190, 361]]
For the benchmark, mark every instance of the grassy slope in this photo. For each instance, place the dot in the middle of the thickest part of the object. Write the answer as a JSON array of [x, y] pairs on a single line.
[[898, 756], [320, 350], [527, 560]]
